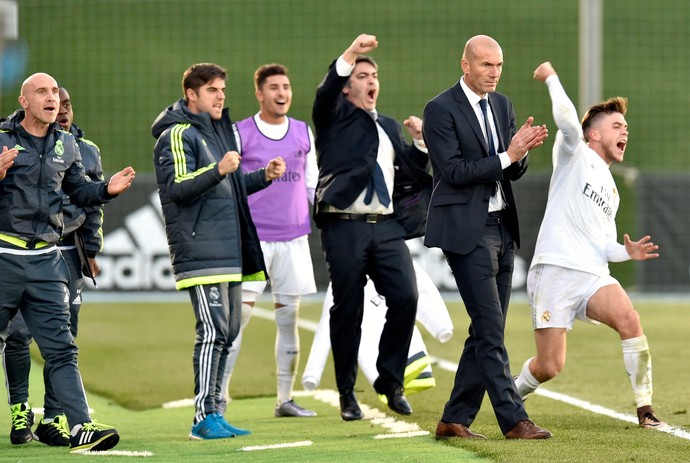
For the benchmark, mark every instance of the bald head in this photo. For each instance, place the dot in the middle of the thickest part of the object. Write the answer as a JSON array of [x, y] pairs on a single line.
[[480, 42], [482, 64], [40, 100], [38, 80]]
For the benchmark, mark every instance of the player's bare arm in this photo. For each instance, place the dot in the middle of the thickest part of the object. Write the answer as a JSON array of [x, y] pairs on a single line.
[[641, 250]]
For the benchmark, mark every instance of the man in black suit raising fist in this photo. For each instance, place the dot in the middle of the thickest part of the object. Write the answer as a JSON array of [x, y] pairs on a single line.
[[360, 156]]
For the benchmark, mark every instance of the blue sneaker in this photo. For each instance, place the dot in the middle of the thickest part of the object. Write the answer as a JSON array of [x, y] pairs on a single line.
[[231, 428], [210, 428]]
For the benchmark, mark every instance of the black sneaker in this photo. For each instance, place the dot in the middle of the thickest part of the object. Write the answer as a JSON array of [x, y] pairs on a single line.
[[93, 437], [22, 420], [55, 433]]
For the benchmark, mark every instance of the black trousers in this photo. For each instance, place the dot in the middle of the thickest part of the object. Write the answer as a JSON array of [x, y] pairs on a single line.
[[484, 280], [353, 250]]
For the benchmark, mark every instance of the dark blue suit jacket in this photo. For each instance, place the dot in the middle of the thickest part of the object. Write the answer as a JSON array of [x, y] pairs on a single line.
[[347, 144], [464, 173]]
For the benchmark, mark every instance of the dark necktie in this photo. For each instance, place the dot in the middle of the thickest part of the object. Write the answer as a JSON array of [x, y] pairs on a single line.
[[377, 183], [489, 134]]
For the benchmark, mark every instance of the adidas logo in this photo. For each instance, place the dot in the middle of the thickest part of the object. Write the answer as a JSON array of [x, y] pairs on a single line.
[[135, 256], [85, 437]]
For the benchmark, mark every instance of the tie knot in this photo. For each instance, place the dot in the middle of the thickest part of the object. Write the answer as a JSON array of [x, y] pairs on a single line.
[[482, 104]]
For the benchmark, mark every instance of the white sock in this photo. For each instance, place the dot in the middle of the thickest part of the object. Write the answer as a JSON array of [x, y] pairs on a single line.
[[638, 365], [287, 346], [234, 352], [526, 383]]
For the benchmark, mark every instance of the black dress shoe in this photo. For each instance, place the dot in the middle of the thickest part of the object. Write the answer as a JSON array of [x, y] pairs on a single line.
[[349, 408], [398, 402]]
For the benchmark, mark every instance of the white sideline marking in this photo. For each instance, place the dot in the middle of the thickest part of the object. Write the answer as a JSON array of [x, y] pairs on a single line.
[[452, 366], [119, 453], [399, 435], [398, 428], [251, 448], [678, 432], [590, 407], [182, 403]]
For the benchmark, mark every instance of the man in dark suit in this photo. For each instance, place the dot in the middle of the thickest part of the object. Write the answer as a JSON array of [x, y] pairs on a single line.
[[360, 153], [476, 153]]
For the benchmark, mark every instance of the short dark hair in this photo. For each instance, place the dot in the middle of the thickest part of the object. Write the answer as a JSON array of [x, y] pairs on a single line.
[[366, 59], [198, 75], [617, 104], [267, 70]]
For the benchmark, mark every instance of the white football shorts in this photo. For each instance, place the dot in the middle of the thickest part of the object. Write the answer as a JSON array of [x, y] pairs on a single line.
[[559, 295], [289, 266]]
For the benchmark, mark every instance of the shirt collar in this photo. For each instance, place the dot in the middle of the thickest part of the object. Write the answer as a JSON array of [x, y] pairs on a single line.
[[471, 96]]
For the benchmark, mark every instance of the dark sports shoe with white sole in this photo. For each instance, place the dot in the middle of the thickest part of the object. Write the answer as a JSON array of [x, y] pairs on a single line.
[[93, 437], [54, 433], [22, 420]]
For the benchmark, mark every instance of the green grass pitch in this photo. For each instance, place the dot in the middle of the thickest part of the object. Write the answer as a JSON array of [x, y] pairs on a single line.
[[135, 357]]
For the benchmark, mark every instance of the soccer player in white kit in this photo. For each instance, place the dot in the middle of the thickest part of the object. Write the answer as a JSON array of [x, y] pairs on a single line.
[[281, 214], [569, 276]]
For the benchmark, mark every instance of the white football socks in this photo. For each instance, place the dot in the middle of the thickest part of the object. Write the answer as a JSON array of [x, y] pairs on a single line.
[[526, 383], [638, 365], [287, 346]]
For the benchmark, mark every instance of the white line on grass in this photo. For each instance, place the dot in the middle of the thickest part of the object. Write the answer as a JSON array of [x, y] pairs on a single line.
[[678, 432], [397, 428], [452, 366], [590, 407], [252, 448], [119, 453], [402, 434], [182, 403]]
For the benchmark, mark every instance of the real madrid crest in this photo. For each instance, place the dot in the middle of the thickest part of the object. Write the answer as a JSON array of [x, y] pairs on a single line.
[[59, 148]]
